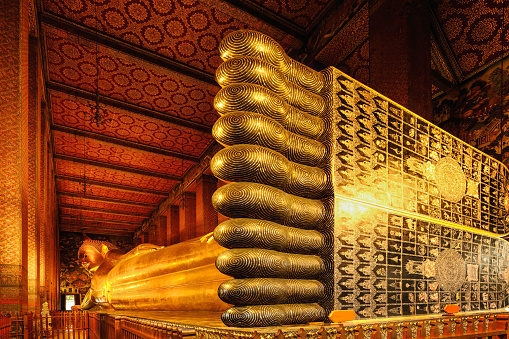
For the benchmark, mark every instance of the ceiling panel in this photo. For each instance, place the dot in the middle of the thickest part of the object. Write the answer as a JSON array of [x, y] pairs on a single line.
[[106, 216], [67, 186], [187, 31], [73, 169], [88, 202], [74, 112], [72, 61], [302, 12], [72, 222], [473, 30], [85, 148]]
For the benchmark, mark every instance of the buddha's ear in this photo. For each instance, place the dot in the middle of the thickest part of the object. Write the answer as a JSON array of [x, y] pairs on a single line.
[[104, 249]]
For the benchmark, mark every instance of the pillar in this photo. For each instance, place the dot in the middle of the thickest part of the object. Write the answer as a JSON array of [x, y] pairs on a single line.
[[14, 27], [187, 216], [161, 231], [206, 215], [33, 148], [152, 234], [399, 53], [173, 230]]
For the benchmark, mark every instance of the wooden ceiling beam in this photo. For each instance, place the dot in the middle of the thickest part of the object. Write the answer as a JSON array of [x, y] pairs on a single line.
[[122, 142], [264, 14], [110, 185], [96, 198], [125, 47], [81, 93], [102, 210], [116, 167], [93, 230], [106, 221]]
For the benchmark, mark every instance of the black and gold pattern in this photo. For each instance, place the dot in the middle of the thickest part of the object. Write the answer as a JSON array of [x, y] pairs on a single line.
[[252, 128], [272, 315], [270, 291], [257, 99], [262, 165], [273, 128], [256, 262], [256, 233], [246, 199]]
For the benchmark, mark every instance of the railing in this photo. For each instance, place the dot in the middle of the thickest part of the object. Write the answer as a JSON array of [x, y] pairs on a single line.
[[85, 325]]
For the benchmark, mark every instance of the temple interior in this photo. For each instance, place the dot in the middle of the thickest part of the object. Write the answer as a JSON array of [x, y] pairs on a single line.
[[111, 127]]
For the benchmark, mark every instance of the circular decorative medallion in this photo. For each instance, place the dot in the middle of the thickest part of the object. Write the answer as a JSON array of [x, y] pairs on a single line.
[[450, 270], [450, 179]]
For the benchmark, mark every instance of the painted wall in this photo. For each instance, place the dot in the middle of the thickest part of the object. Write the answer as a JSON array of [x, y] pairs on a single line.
[[479, 114]]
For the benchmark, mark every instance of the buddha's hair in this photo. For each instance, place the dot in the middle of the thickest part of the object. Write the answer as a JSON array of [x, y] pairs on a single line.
[[97, 244]]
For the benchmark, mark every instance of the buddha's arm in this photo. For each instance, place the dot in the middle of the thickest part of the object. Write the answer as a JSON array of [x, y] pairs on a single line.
[[142, 248]]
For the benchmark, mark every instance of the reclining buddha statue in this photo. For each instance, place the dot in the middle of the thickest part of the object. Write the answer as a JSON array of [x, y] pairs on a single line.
[[339, 198]]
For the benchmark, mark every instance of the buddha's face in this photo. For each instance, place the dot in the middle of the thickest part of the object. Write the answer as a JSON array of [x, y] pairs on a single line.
[[90, 258]]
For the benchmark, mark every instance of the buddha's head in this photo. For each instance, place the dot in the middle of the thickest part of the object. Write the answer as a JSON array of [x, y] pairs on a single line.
[[92, 253]]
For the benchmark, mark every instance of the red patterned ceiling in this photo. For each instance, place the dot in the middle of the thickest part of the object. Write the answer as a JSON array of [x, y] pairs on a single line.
[[302, 12], [88, 202], [121, 227], [86, 148], [474, 30], [186, 31], [95, 215], [77, 170], [69, 111], [72, 61], [74, 187]]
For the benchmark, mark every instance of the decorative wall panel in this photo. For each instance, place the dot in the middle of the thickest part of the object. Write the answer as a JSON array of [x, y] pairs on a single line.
[[417, 212]]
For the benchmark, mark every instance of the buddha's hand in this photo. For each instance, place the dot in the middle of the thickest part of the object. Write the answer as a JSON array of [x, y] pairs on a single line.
[[88, 301]]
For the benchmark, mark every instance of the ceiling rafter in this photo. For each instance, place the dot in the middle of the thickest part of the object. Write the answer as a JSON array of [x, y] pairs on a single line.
[[264, 14], [116, 167], [106, 221], [96, 198], [111, 185], [445, 51], [81, 93], [132, 50], [91, 229], [102, 210], [122, 142]]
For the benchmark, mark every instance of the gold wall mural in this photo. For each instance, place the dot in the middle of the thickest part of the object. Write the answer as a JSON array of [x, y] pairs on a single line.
[[479, 113]]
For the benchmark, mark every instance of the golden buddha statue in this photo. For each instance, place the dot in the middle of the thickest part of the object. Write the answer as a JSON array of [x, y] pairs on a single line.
[[127, 280]]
